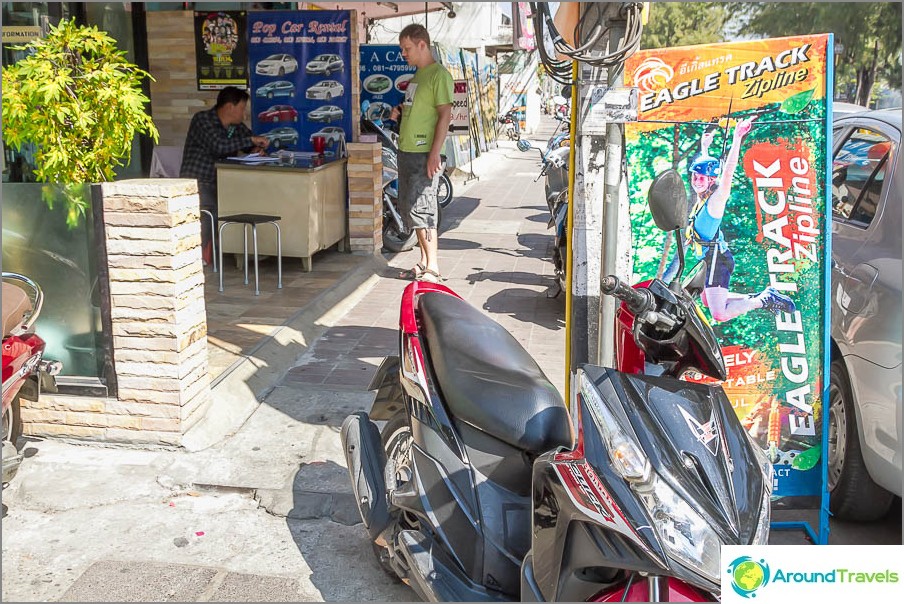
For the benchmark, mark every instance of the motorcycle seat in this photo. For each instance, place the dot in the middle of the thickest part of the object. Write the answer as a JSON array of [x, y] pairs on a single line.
[[16, 305], [488, 380]]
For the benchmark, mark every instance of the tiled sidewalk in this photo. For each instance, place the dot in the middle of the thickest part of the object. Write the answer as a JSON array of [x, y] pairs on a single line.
[[495, 252]]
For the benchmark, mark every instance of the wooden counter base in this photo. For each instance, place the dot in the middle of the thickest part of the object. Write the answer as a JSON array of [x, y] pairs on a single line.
[[310, 201]]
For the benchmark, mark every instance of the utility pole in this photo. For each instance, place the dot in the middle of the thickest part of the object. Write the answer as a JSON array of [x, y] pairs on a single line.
[[601, 225]]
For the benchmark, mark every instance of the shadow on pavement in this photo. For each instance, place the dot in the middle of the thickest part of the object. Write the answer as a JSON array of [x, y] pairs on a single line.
[[528, 306]]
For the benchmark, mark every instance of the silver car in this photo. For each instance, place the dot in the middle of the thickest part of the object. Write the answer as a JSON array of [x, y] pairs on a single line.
[[865, 386]]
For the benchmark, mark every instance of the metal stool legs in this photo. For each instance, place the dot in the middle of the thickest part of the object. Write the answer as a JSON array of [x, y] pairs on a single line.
[[213, 237], [253, 226]]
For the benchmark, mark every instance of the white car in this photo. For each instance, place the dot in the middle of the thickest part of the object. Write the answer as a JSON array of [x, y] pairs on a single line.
[[331, 134], [279, 64], [326, 89], [325, 64], [326, 113]]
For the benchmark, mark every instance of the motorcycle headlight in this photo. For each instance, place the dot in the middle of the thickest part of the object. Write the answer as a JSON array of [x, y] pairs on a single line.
[[627, 457], [686, 536]]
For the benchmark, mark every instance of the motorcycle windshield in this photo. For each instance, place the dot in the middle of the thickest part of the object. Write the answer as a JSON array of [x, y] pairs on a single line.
[[693, 440]]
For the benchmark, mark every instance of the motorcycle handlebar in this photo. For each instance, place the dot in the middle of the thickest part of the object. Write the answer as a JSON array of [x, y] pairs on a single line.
[[637, 300]]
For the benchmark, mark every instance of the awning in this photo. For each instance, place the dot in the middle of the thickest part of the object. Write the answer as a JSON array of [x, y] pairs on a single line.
[[373, 11]]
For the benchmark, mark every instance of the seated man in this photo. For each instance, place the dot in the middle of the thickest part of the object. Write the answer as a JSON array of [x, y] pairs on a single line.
[[215, 134]]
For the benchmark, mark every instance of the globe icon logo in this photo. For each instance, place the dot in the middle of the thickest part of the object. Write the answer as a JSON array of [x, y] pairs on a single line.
[[748, 575]]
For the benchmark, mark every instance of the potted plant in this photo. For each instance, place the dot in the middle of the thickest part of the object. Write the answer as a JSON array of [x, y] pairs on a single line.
[[78, 100]]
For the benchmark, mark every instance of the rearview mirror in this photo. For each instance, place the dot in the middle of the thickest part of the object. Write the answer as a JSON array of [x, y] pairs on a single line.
[[668, 201], [524, 145]]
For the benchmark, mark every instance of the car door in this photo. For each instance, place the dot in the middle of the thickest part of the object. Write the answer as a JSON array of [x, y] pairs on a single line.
[[866, 241]]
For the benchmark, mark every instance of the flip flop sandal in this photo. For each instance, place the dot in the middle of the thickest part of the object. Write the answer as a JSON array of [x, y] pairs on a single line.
[[430, 276], [413, 274]]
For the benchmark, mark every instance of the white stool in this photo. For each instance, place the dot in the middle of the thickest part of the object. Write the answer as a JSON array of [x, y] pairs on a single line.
[[252, 220]]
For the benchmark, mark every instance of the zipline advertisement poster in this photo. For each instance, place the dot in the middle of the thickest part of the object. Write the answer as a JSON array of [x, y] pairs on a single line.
[[747, 125], [301, 76]]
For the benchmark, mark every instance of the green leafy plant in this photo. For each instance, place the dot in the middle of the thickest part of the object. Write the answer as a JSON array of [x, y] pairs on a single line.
[[78, 100]]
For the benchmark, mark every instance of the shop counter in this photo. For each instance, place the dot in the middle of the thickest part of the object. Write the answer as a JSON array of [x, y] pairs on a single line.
[[309, 195]]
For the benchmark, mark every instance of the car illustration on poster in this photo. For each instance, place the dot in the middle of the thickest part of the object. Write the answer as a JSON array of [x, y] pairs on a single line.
[[282, 137], [326, 114], [326, 64], [278, 113], [279, 88], [377, 83], [331, 134], [401, 82], [378, 111], [276, 65], [326, 89]]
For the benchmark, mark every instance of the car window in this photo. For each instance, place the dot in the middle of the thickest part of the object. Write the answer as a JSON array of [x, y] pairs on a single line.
[[858, 174]]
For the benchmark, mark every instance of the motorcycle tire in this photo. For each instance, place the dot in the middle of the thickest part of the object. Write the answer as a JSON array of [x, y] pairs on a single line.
[[852, 493], [12, 421], [396, 242], [444, 192], [393, 435]]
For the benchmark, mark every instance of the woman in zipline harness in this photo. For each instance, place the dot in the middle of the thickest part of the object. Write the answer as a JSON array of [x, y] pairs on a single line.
[[711, 183]]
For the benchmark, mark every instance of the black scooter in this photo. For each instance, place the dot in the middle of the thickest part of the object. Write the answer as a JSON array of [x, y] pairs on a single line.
[[483, 486]]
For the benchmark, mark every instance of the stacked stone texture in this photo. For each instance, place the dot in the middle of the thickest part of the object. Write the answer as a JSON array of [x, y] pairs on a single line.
[[365, 179], [159, 322]]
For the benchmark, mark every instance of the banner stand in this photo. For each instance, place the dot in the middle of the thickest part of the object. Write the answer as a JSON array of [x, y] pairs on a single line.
[[750, 132], [471, 176], [461, 120]]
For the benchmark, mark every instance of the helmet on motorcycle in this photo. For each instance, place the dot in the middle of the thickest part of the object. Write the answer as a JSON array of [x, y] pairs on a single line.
[[707, 166]]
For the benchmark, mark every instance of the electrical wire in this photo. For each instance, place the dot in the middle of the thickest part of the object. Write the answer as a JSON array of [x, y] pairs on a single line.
[[587, 34]]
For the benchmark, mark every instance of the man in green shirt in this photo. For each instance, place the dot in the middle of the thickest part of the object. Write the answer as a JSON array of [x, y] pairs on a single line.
[[425, 117]]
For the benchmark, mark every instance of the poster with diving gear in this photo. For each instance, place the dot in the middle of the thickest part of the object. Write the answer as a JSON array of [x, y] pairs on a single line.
[[748, 127]]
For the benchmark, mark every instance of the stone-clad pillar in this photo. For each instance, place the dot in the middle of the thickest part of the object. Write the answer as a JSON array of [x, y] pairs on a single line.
[[365, 191], [157, 300], [159, 320]]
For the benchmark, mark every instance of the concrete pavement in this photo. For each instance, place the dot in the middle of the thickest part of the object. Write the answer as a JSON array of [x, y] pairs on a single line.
[[266, 514]]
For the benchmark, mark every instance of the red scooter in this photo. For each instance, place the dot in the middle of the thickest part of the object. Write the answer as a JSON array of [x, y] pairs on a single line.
[[483, 486], [25, 371]]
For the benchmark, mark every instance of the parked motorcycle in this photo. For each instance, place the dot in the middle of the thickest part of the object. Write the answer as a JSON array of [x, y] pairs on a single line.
[[390, 139], [511, 125], [554, 161], [481, 486], [25, 371], [397, 237]]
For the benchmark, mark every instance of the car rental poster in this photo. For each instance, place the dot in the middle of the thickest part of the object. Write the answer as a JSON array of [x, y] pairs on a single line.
[[384, 77], [300, 73], [747, 125]]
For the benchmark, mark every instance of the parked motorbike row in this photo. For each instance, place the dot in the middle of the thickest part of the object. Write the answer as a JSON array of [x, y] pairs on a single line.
[[483, 486], [397, 237], [25, 371], [554, 160]]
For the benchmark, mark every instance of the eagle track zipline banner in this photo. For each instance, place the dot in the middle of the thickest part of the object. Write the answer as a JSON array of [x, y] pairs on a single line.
[[747, 125]]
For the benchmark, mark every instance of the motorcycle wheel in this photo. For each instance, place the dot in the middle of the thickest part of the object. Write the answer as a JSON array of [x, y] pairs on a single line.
[[852, 493], [12, 421], [395, 241], [396, 439], [444, 192]]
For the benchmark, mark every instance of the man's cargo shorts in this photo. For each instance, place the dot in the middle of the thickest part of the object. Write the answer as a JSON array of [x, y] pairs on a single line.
[[417, 192]]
